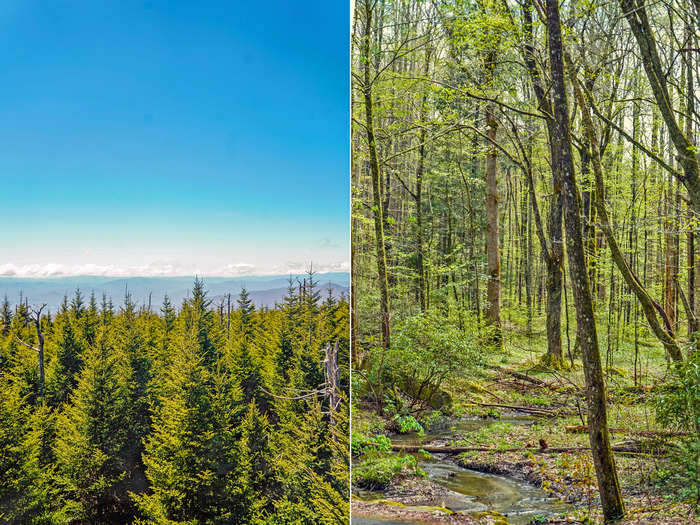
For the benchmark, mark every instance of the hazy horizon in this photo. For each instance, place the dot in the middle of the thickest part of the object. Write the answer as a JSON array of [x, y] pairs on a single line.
[[265, 290], [51, 270]]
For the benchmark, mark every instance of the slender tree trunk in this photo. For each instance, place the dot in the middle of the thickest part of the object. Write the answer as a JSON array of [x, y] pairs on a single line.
[[40, 352], [690, 105], [472, 220], [670, 273], [493, 286], [376, 192], [603, 459], [419, 187], [552, 251]]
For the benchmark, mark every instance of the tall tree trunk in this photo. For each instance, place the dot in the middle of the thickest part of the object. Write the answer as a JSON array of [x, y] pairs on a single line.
[[608, 485], [690, 110], [670, 243], [376, 189], [552, 251], [493, 286], [419, 186]]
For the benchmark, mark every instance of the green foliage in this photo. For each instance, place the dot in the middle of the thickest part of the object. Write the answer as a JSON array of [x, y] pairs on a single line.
[[181, 417], [678, 406], [426, 351], [376, 469], [12, 427], [407, 424], [92, 447], [434, 418], [361, 443]]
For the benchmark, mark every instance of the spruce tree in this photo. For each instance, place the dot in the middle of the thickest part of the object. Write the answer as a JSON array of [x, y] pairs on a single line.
[[38, 469], [288, 335], [106, 310], [256, 475], [77, 304], [91, 321], [190, 456], [67, 348], [5, 317], [92, 477], [128, 336], [246, 363], [313, 460], [246, 309], [13, 414], [198, 317]]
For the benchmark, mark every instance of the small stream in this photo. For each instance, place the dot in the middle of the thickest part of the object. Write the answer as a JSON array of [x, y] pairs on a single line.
[[472, 491]]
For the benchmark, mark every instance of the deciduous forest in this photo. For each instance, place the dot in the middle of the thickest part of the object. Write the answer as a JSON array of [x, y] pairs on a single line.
[[525, 210], [213, 411]]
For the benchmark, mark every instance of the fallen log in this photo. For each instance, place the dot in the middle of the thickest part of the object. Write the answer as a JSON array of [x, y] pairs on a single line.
[[542, 411], [519, 375], [647, 433], [459, 450]]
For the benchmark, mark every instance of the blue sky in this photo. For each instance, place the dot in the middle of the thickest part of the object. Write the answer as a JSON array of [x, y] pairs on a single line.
[[173, 137]]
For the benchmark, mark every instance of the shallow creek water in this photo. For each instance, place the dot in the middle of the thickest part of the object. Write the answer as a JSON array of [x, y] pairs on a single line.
[[472, 491]]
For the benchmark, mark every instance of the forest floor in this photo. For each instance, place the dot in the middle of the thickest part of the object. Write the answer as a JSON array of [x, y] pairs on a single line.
[[551, 402]]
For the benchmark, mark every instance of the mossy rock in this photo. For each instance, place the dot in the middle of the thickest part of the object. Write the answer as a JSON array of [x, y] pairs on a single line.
[[434, 508], [389, 502], [616, 372], [548, 361], [439, 400], [471, 386], [496, 517]]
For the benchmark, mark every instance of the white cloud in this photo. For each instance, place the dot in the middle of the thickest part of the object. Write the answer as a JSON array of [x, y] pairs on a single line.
[[165, 269], [342, 266], [235, 269], [30, 270], [303, 266], [159, 269]]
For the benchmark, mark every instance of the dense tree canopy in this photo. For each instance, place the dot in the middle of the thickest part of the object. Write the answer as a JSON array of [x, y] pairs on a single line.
[[496, 140], [203, 414]]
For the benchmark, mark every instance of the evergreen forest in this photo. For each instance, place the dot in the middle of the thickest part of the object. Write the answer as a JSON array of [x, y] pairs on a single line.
[[209, 412], [525, 244]]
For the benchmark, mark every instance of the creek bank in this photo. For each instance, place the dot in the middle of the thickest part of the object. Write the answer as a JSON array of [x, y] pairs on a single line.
[[488, 497], [384, 513]]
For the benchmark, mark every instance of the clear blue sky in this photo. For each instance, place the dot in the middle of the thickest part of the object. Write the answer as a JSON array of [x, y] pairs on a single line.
[[146, 137]]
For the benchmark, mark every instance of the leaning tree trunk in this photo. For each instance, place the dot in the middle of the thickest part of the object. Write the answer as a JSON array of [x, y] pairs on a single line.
[[608, 484], [655, 314], [687, 155]]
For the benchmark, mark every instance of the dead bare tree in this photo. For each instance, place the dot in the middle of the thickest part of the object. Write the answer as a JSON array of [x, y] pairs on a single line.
[[328, 389], [35, 317]]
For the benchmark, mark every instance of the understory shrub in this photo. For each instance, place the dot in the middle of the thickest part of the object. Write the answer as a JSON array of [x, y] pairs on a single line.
[[407, 424], [678, 406], [362, 444], [377, 469], [426, 351]]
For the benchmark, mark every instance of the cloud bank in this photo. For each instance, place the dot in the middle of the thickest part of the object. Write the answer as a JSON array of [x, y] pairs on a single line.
[[165, 269]]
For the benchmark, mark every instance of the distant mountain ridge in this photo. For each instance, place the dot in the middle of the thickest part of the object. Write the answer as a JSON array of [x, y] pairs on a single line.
[[265, 290]]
